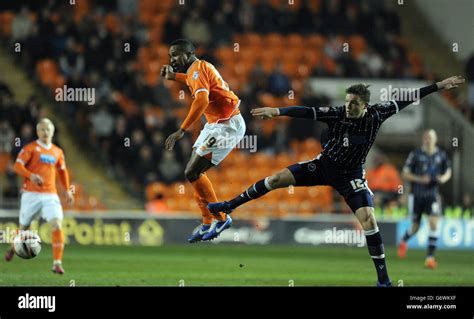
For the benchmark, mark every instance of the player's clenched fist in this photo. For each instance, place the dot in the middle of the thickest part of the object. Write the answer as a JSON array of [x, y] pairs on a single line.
[[167, 72], [265, 112]]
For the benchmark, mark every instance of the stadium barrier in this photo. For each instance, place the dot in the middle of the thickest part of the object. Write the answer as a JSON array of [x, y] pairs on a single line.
[[123, 229], [453, 233], [140, 228]]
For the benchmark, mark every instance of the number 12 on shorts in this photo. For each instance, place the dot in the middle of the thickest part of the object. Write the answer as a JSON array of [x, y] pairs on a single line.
[[358, 184]]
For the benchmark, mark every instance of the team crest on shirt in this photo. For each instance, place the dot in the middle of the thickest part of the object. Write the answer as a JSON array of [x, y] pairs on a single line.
[[312, 167], [195, 75]]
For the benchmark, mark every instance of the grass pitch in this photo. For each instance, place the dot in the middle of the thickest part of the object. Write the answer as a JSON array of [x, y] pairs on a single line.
[[232, 265]]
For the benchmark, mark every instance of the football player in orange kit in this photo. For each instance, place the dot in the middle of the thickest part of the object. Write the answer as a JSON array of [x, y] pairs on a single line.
[[37, 163], [224, 129]]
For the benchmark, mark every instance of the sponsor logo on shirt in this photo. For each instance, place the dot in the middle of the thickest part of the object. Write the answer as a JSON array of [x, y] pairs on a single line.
[[47, 159]]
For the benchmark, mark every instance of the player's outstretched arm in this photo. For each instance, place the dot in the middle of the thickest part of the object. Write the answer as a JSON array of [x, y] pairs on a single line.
[[292, 111], [323, 114], [447, 84]]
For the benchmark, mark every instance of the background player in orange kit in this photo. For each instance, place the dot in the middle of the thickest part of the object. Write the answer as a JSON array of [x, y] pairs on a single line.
[[224, 129], [37, 163]]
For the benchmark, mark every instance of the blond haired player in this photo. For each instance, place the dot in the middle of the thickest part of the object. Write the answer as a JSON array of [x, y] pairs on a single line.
[[38, 163]]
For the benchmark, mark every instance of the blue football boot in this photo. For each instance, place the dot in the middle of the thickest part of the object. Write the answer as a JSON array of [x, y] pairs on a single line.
[[217, 227], [198, 233]]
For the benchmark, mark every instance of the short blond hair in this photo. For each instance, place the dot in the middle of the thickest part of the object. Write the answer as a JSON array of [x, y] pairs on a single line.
[[46, 121]]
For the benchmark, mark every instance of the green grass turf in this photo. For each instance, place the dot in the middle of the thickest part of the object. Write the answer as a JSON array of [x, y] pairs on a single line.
[[232, 265]]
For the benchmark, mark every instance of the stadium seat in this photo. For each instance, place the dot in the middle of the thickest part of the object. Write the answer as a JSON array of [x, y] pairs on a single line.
[[295, 40], [316, 41], [273, 41], [6, 22]]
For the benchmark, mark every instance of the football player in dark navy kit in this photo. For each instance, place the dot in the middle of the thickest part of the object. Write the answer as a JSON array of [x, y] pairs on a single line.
[[425, 168], [352, 131]]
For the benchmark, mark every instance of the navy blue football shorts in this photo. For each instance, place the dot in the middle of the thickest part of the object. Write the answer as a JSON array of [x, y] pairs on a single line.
[[417, 206], [351, 184]]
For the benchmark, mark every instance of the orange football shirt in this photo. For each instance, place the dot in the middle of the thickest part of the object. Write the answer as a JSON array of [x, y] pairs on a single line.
[[223, 103], [43, 161]]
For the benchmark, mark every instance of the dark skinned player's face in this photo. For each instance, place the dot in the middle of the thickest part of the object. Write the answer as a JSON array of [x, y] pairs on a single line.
[[355, 108], [179, 59]]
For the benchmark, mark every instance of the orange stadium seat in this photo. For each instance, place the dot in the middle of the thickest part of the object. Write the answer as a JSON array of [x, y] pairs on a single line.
[[59, 81], [297, 85], [292, 55], [276, 3], [112, 23], [49, 74], [267, 65], [6, 22], [273, 41], [267, 100], [80, 9], [315, 6], [329, 65], [225, 54], [4, 159], [416, 64], [316, 41], [295, 40], [290, 68], [160, 51], [253, 39], [312, 57], [286, 100], [357, 45]]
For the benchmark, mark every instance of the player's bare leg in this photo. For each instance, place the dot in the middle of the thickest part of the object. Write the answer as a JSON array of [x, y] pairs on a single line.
[[403, 247], [11, 252], [283, 178], [195, 173], [58, 245], [430, 261], [366, 217]]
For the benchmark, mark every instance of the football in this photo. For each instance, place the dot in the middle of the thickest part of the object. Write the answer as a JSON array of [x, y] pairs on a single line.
[[27, 244]]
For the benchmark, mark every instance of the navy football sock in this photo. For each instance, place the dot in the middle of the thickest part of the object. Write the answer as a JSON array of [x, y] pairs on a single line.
[[432, 241], [376, 251], [407, 235], [255, 191]]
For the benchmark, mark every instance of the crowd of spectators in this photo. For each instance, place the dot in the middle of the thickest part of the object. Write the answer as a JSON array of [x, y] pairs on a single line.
[[90, 53], [17, 128]]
